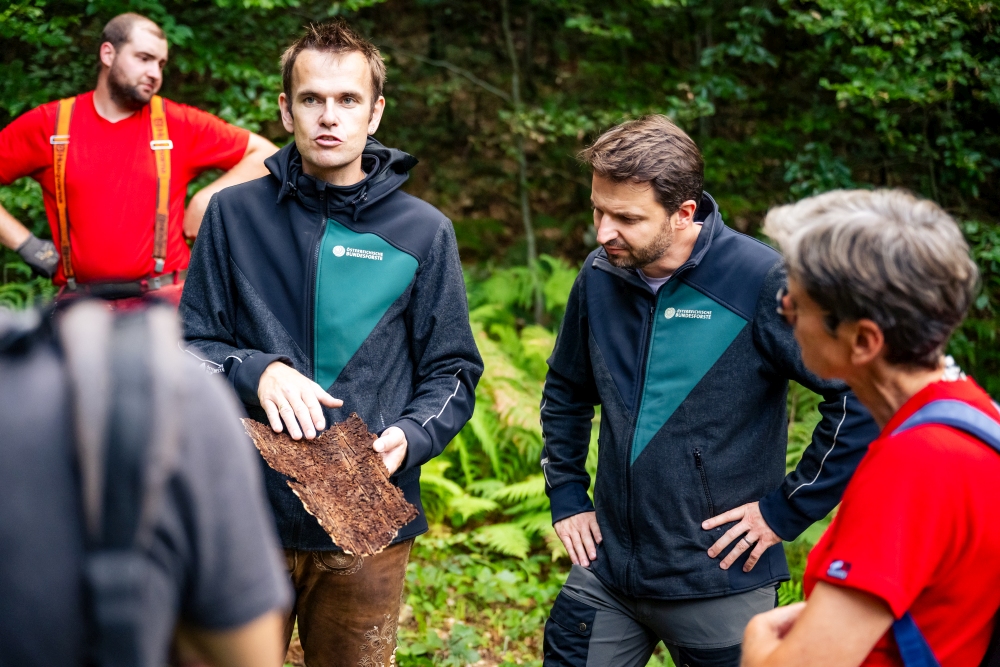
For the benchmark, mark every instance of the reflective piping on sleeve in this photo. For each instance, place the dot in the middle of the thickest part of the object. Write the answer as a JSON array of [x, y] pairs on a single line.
[[544, 462], [458, 386], [820, 471], [204, 361]]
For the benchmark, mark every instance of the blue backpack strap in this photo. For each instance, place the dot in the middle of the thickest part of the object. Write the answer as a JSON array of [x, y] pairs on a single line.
[[912, 646], [959, 415]]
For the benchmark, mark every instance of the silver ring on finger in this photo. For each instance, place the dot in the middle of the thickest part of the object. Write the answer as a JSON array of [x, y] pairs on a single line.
[[749, 543]]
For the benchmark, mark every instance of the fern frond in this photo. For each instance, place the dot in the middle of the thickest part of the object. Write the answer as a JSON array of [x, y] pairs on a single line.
[[538, 523], [531, 487], [485, 487], [529, 506], [432, 479], [556, 548], [790, 592], [537, 344], [484, 431], [558, 283], [506, 538], [467, 506]]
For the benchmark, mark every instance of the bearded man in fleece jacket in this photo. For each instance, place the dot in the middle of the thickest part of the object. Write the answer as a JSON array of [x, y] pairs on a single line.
[[671, 327]]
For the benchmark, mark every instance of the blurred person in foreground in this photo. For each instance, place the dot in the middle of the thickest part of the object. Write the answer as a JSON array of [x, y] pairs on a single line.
[[131, 504], [325, 279], [671, 328], [878, 281]]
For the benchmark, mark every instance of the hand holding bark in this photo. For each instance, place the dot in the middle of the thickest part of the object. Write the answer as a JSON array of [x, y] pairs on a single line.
[[290, 397]]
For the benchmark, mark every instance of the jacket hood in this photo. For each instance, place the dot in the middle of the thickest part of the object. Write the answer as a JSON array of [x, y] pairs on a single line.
[[707, 214], [386, 170]]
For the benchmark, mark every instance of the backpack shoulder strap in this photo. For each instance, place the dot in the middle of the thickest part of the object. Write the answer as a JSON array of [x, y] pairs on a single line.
[[123, 374], [161, 145], [60, 148], [959, 415], [913, 648], [964, 417], [84, 332]]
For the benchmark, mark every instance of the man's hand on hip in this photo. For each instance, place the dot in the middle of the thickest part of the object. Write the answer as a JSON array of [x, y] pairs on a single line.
[[751, 531], [580, 534], [290, 397], [392, 446]]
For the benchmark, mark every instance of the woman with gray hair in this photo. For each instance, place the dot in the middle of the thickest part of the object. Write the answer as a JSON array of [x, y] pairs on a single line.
[[910, 567]]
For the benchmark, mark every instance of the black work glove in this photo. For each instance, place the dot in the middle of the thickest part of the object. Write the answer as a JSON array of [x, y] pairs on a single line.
[[40, 255]]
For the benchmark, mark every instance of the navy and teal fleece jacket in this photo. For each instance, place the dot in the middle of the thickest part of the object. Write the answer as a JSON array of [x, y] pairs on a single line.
[[357, 288], [692, 383]]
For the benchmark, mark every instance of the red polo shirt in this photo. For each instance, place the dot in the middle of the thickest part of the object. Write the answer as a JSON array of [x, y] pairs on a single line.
[[918, 528], [111, 180]]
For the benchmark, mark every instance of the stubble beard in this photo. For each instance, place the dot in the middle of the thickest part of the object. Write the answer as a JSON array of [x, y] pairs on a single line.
[[637, 258], [123, 93]]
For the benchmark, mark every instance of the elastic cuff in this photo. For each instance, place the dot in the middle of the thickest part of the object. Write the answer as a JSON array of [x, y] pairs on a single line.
[[31, 237], [568, 500], [245, 376], [418, 444], [782, 517]]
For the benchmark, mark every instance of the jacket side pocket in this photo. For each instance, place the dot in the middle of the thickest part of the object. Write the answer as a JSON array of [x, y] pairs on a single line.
[[700, 465]]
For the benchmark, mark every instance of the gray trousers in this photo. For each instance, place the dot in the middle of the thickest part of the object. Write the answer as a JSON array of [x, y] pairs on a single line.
[[592, 625]]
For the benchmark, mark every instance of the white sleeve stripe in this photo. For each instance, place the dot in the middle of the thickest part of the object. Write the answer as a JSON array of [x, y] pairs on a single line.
[[453, 394], [205, 361], [821, 463]]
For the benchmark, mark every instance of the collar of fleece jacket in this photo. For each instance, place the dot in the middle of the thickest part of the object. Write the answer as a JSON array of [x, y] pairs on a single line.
[[365, 255], [386, 169]]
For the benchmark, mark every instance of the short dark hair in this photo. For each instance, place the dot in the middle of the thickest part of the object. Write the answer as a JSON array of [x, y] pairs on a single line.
[[883, 255], [651, 150], [334, 37], [118, 30]]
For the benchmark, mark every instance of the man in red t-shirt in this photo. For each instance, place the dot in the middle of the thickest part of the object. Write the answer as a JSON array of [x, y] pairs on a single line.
[[111, 173]]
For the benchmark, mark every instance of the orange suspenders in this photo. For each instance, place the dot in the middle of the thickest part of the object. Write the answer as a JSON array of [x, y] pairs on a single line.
[[60, 142], [160, 145]]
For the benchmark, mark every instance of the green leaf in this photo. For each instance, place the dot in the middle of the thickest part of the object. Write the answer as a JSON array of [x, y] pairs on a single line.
[[467, 506], [531, 487], [506, 538]]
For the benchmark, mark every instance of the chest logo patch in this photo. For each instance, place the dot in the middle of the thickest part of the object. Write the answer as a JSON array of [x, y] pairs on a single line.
[[341, 251], [687, 313], [839, 570]]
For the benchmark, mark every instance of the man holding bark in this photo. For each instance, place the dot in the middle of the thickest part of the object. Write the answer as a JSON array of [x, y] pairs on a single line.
[[324, 279]]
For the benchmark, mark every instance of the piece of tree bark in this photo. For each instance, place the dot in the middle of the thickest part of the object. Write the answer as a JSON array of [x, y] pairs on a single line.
[[341, 481]]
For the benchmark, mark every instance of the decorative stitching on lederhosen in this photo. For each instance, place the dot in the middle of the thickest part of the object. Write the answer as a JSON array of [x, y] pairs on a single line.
[[377, 641]]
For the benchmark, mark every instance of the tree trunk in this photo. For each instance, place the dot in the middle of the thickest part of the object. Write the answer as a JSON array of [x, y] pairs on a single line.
[[522, 164]]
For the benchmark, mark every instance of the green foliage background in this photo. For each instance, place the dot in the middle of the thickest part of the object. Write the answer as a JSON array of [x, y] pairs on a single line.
[[786, 98]]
